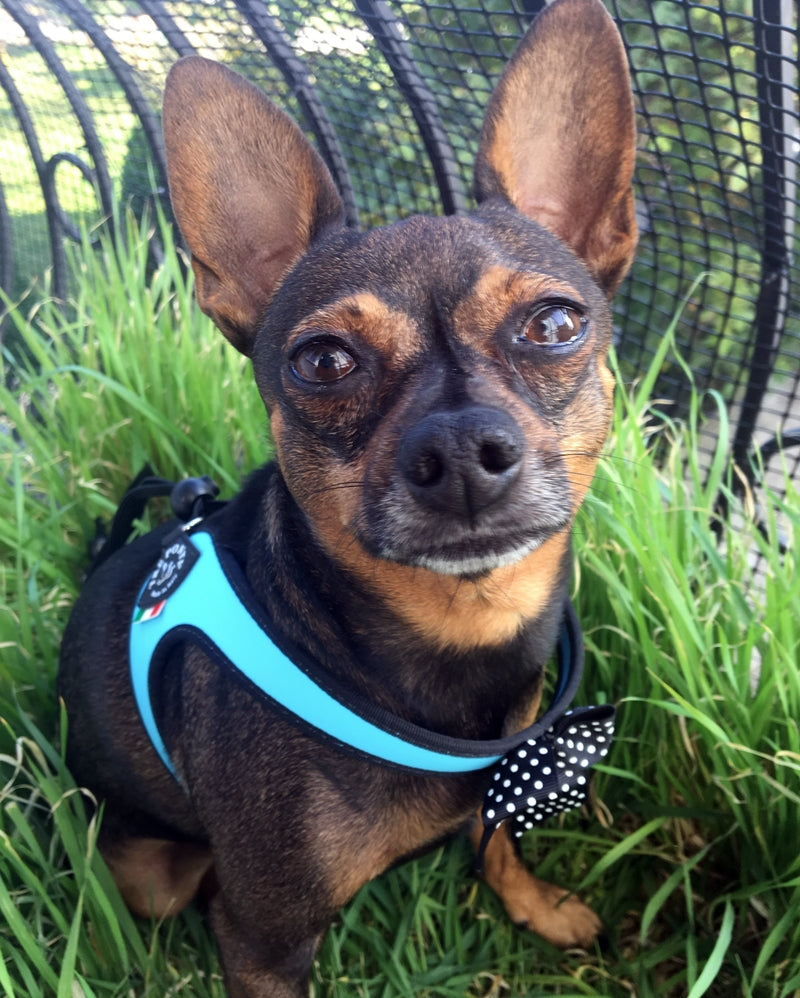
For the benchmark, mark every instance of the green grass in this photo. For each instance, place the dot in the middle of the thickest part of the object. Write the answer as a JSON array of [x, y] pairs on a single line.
[[690, 853]]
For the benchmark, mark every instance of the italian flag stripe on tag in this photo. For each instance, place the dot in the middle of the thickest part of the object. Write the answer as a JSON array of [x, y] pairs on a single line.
[[149, 613]]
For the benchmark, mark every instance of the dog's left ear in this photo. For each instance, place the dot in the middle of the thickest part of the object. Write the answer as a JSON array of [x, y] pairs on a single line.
[[247, 188], [559, 138]]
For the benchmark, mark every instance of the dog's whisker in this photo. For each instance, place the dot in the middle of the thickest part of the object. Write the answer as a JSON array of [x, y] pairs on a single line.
[[330, 487]]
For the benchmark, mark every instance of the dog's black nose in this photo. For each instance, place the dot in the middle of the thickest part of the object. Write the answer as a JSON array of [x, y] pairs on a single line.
[[461, 461]]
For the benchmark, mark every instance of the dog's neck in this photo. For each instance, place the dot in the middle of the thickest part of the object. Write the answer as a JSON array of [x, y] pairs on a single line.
[[368, 646]]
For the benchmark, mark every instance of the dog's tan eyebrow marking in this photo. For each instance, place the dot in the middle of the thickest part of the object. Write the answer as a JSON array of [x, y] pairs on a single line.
[[366, 316], [496, 294]]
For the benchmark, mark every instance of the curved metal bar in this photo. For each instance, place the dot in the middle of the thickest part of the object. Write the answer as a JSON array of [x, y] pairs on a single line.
[[30, 26], [51, 194], [165, 23], [59, 285], [759, 457], [779, 443], [533, 7], [777, 84], [383, 26], [296, 75], [120, 69]]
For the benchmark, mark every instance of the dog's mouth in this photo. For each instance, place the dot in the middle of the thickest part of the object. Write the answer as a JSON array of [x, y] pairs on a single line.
[[402, 532], [468, 559]]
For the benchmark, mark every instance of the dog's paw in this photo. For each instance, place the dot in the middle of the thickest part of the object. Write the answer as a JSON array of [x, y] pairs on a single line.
[[558, 917]]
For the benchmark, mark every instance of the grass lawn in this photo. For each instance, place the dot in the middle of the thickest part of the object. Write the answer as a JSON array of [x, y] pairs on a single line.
[[691, 850]]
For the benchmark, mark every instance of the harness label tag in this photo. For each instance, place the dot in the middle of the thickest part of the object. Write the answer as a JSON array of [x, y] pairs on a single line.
[[178, 555]]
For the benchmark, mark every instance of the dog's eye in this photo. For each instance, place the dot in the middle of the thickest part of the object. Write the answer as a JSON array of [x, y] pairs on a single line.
[[321, 363], [554, 324]]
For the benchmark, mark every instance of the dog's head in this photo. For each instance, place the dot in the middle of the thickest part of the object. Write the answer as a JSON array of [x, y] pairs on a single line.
[[437, 388]]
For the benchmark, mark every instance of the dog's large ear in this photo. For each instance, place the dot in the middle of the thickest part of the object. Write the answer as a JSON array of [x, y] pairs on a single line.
[[559, 138], [248, 191]]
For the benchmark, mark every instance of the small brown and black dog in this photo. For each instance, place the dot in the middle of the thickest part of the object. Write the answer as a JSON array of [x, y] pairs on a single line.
[[438, 398]]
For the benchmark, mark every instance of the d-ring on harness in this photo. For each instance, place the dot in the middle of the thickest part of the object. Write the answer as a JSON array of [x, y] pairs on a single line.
[[197, 593]]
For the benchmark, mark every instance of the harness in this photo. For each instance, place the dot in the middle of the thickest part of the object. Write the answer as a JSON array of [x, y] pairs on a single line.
[[197, 593]]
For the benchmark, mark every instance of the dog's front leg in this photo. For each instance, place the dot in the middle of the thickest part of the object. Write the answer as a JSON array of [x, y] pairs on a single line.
[[251, 969], [548, 910]]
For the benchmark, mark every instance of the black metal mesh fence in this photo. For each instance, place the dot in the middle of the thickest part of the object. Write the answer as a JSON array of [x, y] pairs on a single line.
[[393, 94]]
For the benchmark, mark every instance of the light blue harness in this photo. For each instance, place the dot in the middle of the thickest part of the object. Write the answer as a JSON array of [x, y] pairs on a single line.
[[211, 605]]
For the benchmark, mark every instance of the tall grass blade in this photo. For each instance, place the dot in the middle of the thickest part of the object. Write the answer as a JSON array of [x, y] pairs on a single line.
[[714, 963]]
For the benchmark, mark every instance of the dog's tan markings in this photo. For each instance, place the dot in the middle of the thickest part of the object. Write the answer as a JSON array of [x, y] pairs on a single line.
[[497, 294], [531, 903], [585, 200], [606, 379], [582, 447], [372, 846], [493, 315], [365, 326], [461, 613], [523, 714], [368, 318], [276, 427], [158, 877], [447, 611], [581, 454], [227, 145]]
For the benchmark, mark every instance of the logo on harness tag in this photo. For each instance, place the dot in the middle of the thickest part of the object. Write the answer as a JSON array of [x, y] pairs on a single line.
[[177, 558]]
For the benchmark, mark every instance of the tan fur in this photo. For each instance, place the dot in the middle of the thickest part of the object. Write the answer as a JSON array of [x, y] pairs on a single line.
[[497, 293], [560, 191], [531, 903], [451, 612], [525, 714], [158, 877], [201, 114], [367, 318], [401, 830]]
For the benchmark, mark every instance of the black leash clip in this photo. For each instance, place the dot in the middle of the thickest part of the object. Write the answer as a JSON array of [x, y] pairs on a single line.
[[191, 500]]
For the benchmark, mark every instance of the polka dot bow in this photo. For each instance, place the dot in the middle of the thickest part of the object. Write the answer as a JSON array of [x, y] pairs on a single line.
[[548, 774]]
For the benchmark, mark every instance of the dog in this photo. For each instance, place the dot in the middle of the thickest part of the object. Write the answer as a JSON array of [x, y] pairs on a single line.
[[438, 397]]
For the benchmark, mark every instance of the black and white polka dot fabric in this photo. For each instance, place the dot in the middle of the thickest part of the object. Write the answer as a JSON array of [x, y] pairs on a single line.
[[548, 774]]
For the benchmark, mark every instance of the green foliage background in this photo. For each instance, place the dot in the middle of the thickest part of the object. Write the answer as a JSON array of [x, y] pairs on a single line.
[[689, 852], [699, 177]]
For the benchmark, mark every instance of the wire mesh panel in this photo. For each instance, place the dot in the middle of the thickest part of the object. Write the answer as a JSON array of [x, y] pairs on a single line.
[[717, 100], [393, 94]]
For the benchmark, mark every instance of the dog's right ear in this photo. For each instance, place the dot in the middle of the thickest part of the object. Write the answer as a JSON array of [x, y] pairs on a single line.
[[559, 137], [248, 191]]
